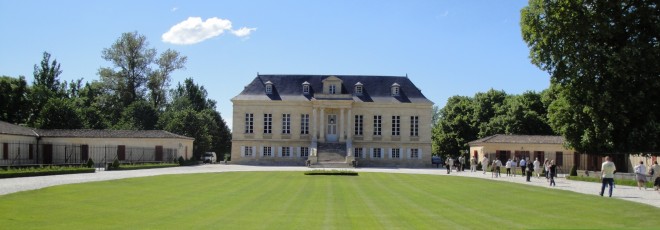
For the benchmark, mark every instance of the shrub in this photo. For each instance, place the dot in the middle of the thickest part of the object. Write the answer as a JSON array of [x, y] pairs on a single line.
[[43, 171], [90, 163], [573, 171], [479, 166], [145, 166], [115, 164], [333, 172], [181, 161], [616, 181]]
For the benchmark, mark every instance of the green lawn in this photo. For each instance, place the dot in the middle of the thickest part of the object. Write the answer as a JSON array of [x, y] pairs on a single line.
[[291, 200]]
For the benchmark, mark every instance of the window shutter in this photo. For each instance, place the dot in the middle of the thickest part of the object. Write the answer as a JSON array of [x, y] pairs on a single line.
[[408, 153], [371, 152], [419, 151], [278, 152], [389, 154], [260, 151], [254, 151], [291, 153], [242, 151]]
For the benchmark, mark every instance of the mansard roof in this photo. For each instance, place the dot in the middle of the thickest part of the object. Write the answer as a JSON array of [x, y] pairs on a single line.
[[289, 88], [519, 139]]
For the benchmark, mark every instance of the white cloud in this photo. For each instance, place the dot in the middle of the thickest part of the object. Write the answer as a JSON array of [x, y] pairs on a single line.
[[242, 32], [194, 30]]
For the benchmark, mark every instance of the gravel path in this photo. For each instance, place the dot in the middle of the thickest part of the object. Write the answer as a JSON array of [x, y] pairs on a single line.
[[12, 185]]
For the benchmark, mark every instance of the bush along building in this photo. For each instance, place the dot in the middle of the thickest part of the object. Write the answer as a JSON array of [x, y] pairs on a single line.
[[331, 121]]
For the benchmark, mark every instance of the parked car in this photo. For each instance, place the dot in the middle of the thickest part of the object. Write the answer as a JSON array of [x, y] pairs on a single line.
[[209, 157]]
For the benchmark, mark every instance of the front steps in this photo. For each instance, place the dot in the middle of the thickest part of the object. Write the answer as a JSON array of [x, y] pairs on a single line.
[[331, 155]]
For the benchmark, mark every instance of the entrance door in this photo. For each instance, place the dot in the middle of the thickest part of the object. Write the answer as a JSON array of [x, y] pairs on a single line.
[[331, 136], [48, 154]]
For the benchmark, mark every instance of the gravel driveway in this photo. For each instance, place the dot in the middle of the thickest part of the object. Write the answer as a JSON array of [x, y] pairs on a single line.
[[12, 185]]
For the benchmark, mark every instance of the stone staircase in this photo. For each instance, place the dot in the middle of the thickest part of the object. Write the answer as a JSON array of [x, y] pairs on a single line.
[[331, 155]]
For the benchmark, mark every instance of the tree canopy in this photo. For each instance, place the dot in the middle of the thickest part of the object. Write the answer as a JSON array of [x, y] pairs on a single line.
[[603, 60]]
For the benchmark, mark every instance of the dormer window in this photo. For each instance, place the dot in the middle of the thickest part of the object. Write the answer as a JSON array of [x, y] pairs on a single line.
[[332, 89], [358, 88], [305, 87], [269, 87], [395, 89]]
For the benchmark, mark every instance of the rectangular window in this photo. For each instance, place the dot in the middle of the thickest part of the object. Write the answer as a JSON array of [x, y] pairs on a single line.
[[268, 123], [358, 90], [414, 126], [358, 152], [248, 151], [304, 151], [267, 151], [358, 125], [396, 153], [249, 123], [396, 125], [414, 153], [377, 125], [286, 152], [304, 124], [377, 153], [332, 89], [286, 123], [559, 158]]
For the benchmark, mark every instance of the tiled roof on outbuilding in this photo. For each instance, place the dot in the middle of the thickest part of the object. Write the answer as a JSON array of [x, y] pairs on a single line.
[[103, 133], [9, 128], [519, 139], [375, 88]]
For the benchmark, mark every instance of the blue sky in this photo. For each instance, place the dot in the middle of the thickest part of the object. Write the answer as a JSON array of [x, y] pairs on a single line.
[[445, 47]]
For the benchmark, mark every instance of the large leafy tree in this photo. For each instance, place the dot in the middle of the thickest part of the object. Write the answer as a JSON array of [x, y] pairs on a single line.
[[192, 114], [137, 71], [455, 126], [46, 86], [14, 101], [603, 59]]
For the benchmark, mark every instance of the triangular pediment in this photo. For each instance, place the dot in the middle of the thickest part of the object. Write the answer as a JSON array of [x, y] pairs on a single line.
[[332, 79]]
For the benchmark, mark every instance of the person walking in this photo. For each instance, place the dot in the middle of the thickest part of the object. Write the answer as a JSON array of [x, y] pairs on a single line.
[[461, 160], [508, 168], [640, 175], [546, 166], [484, 164], [514, 166], [654, 171], [607, 170], [498, 167], [529, 167], [449, 162], [473, 164], [537, 167], [553, 173], [523, 165], [493, 167]]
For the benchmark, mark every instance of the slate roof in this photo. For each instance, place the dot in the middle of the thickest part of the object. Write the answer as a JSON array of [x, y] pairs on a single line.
[[9, 128], [289, 88], [519, 139], [104, 133]]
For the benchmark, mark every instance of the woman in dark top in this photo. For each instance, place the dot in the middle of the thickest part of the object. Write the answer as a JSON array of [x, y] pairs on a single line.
[[553, 173]]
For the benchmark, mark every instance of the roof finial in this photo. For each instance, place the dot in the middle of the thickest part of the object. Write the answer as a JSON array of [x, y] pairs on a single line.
[[257, 73], [406, 75]]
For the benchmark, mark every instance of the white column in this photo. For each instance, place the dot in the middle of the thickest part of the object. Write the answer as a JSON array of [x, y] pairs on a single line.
[[349, 127], [313, 124], [341, 125], [321, 124]]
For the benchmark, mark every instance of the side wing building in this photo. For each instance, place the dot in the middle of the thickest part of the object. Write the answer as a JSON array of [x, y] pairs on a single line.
[[331, 121]]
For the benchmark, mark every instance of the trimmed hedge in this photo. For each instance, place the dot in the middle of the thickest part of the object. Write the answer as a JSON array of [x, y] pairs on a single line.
[[43, 171], [144, 166], [333, 172]]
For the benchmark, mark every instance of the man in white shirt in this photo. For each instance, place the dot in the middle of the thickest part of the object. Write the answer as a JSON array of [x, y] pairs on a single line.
[[450, 163], [484, 164], [473, 164], [607, 173], [523, 165], [537, 167]]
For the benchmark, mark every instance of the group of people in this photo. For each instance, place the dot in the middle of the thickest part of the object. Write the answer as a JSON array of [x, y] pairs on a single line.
[[641, 174], [528, 168], [459, 164]]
